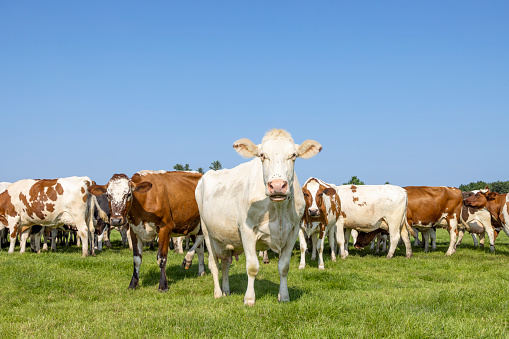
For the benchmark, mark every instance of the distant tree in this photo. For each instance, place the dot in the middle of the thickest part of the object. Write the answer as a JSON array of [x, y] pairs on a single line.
[[179, 167], [354, 181], [497, 186], [216, 165], [200, 170], [387, 183]]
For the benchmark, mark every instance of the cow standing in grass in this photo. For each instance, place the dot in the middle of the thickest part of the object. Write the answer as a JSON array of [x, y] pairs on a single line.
[[154, 203], [322, 211], [434, 206], [255, 206], [47, 202]]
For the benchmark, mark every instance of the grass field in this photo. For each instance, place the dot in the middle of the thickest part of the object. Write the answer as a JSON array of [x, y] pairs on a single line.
[[365, 296]]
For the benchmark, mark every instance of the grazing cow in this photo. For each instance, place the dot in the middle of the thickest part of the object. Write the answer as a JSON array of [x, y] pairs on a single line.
[[434, 206], [154, 203], [47, 202], [255, 206], [477, 221], [371, 209], [496, 204], [320, 216]]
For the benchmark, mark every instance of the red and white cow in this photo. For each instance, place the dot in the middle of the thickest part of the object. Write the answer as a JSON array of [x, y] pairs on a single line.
[[3, 231], [477, 221], [496, 204], [255, 206], [47, 202], [371, 209], [434, 206], [154, 203], [323, 207]]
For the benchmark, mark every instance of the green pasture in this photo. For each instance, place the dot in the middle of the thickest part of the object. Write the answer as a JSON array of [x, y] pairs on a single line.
[[365, 296]]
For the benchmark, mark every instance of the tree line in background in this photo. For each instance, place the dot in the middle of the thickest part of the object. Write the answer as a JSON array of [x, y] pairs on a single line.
[[215, 165], [496, 186]]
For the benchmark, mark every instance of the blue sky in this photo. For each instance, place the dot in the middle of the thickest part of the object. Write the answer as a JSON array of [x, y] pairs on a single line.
[[410, 92]]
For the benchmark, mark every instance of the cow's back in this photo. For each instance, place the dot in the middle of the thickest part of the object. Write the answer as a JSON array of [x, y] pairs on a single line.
[[221, 197], [427, 205], [171, 197], [50, 201], [364, 205]]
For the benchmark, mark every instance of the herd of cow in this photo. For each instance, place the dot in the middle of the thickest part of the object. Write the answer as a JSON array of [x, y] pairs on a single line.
[[256, 206]]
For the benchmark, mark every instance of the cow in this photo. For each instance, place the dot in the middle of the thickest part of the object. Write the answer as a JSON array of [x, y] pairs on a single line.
[[102, 219], [47, 202], [322, 211], [496, 204], [3, 231], [371, 209], [434, 206], [154, 203], [477, 221], [255, 206]]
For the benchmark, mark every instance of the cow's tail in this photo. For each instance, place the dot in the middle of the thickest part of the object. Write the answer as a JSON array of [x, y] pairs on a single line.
[[404, 222]]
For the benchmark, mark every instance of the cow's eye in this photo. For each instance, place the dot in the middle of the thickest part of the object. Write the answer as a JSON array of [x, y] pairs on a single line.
[[294, 156], [263, 156]]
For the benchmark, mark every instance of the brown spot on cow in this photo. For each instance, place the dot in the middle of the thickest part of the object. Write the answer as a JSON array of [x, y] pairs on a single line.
[[353, 188], [59, 189], [85, 197], [6, 207], [82, 190], [355, 199], [40, 192], [50, 207], [343, 214]]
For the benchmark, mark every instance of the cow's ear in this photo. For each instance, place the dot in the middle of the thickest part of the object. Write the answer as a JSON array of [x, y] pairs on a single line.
[[97, 189], [329, 191], [491, 195], [308, 149], [142, 187], [246, 148]]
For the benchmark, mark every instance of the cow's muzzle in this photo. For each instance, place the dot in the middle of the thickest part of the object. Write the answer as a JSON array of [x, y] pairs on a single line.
[[277, 189], [314, 212], [117, 221]]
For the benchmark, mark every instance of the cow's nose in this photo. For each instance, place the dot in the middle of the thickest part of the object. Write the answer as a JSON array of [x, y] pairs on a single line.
[[116, 222], [314, 212], [277, 186]]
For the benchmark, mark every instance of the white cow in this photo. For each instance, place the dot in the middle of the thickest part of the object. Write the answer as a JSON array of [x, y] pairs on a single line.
[[47, 202], [255, 206], [368, 208]]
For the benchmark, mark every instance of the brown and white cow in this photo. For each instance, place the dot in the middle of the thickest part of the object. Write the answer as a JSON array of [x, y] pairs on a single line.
[[496, 204], [477, 221], [255, 206], [430, 206], [154, 203], [47, 202], [371, 209], [323, 208]]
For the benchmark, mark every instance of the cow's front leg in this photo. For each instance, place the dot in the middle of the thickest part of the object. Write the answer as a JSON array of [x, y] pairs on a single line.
[[162, 256], [137, 256], [252, 264], [23, 241], [225, 270], [284, 265], [319, 247]]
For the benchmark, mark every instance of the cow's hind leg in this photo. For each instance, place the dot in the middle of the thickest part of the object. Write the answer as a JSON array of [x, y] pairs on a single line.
[[303, 248], [284, 265], [453, 227]]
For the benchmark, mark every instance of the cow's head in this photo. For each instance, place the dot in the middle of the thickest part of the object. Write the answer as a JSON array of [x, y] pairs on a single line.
[[481, 198], [313, 191], [119, 191], [277, 153]]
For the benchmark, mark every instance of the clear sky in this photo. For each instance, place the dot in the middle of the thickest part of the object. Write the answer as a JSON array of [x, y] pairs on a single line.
[[410, 92]]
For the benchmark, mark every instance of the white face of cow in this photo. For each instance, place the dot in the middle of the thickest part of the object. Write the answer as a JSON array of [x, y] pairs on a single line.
[[313, 186], [278, 153], [119, 194]]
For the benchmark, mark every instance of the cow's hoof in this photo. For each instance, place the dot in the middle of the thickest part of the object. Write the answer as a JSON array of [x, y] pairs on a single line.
[[249, 302], [186, 264], [202, 274], [321, 267], [163, 289], [301, 266]]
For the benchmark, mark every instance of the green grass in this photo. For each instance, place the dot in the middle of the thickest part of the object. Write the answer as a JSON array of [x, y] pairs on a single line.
[[365, 296]]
